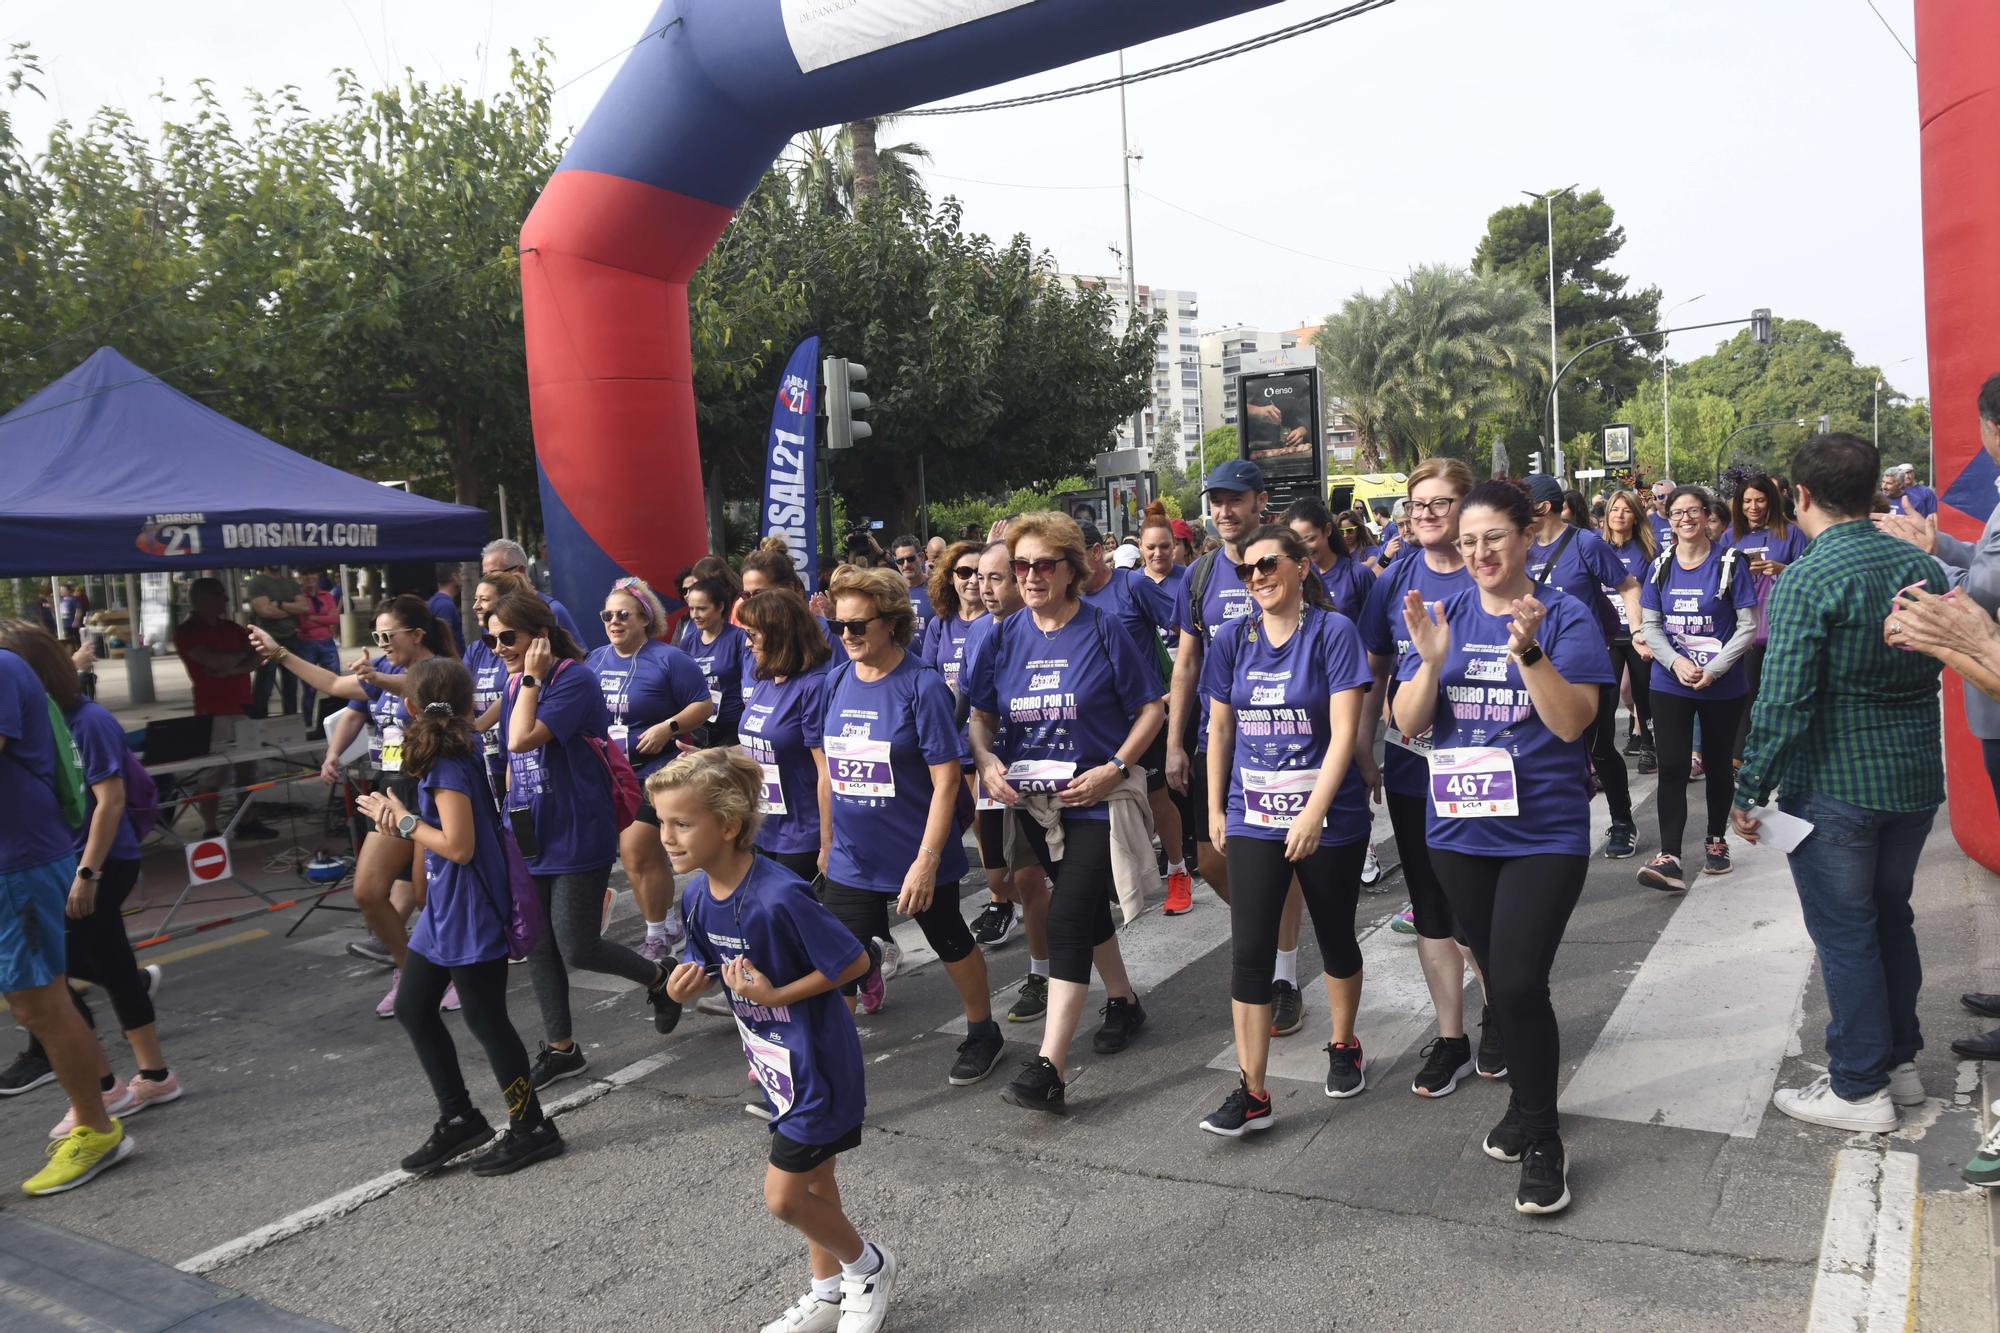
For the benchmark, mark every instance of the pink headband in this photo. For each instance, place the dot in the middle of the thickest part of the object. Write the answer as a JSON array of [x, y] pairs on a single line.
[[635, 588]]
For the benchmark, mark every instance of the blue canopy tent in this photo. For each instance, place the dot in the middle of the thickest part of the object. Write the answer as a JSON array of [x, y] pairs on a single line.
[[110, 470]]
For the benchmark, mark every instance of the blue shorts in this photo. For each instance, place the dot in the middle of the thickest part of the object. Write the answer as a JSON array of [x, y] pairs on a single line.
[[32, 949]]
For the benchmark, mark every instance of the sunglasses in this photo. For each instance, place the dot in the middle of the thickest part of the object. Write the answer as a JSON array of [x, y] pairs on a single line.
[[506, 638], [621, 615], [1267, 567], [383, 638], [1043, 567], [907, 559], [965, 572], [851, 628]]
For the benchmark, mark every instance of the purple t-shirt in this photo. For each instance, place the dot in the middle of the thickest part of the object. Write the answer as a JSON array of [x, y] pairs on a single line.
[[1762, 545], [1484, 703], [722, 663], [564, 782], [1171, 585], [920, 602], [1348, 582], [489, 682], [944, 647], [34, 832], [1585, 568], [646, 689], [1142, 606], [881, 738], [1067, 700], [1223, 599], [780, 731], [466, 907], [445, 609], [1280, 697], [1383, 634], [100, 744], [1700, 618], [1632, 556], [387, 716], [807, 1056]]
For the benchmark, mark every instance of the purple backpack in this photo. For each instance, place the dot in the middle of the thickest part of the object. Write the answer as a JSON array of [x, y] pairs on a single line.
[[524, 921]]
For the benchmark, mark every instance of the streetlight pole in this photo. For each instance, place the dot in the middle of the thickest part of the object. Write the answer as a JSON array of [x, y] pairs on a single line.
[[1131, 264], [1666, 404], [1722, 450], [1555, 407]]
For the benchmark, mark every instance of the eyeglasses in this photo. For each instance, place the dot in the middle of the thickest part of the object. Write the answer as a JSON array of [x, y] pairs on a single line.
[[1044, 567], [383, 638], [1489, 541], [1433, 508], [1676, 515], [908, 559], [621, 615], [506, 638], [965, 572], [1267, 567]]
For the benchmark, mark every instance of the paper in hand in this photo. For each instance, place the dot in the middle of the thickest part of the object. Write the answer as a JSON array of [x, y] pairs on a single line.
[[1783, 831]]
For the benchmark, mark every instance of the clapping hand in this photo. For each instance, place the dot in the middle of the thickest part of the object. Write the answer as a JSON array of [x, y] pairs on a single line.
[[1429, 633], [1527, 622]]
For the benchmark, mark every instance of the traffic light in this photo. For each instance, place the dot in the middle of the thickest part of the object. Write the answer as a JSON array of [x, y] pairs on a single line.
[[843, 401], [1760, 326], [1535, 463]]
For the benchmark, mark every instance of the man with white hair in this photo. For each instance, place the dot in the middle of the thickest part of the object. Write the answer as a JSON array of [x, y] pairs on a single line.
[[507, 557]]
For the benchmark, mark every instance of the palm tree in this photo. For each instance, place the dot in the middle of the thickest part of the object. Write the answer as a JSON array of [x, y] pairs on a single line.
[[836, 169], [1349, 348]]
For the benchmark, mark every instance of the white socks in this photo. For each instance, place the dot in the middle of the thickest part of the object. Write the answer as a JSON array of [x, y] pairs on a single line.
[[1287, 969], [1037, 967], [828, 1288], [1177, 867], [657, 930], [869, 1262]]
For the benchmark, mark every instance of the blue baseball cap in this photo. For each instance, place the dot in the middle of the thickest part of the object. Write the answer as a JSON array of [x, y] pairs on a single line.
[[1545, 489], [1235, 474]]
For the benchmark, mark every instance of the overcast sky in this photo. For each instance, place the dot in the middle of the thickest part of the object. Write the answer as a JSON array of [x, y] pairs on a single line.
[[1757, 153]]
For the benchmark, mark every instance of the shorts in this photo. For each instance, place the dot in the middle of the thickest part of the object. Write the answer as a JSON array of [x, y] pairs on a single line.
[[789, 1155], [405, 790], [646, 814], [33, 944], [1154, 761]]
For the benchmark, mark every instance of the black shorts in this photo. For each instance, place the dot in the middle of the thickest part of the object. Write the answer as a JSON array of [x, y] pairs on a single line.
[[1198, 794], [647, 814], [789, 1155], [404, 790], [1154, 761]]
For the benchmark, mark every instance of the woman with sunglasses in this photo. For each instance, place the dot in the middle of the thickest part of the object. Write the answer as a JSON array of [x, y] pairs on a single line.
[[783, 704], [559, 805], [1435, 570], [1769, 541], [407, 633], [1063, 710], [1506, 684], [717, 648], [656, 695], [1358, 537], [1286, 801], [892, 784], [1701, 615], [1630, 538]]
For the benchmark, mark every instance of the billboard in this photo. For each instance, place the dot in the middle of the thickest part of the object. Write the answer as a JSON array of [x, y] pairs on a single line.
[[1281, 430]]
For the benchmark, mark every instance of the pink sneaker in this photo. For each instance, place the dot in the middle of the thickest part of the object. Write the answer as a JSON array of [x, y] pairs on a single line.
[[658, 951], [449, 1003], [387, 1008], [873, 992], [146, 1092], [117, 1101]]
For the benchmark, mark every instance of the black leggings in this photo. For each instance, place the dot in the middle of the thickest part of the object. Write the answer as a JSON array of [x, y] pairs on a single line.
[[482, 995], [575, 939], [1673, 732], [865, 913], [101, 953], [990, 828], [1514, 911], [1602, 738], [1429, 908], [1260, 878], [1625, 661], [1753, 672], [1079, 892]]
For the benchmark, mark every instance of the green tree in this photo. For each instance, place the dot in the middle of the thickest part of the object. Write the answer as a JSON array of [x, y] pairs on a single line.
[[1348, 348], [1218, 446]]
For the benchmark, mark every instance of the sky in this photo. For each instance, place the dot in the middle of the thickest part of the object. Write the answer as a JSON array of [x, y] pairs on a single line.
[[1757, 154]]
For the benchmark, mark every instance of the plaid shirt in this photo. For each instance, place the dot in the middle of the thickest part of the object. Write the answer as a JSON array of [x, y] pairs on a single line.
[[1838, 712]]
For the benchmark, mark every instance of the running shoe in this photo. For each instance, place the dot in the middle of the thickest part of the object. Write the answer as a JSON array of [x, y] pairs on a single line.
[[1695, 770], [1122, 1021], [1371, 870], [1634, 743], [117, 1101], [1288, 1009], [1029, 1005], [1506, 1141], [1649, 760], [1492, 1056], [1038, 1087], [1345, 1069], [1905, 1088], [371, 950], [1446, 1061], [873, 992], [1622, 841], [1715, 857], [864, 1301], [1180, 893], [1241, 1112], [153, 974], [518, 1148], [1544, 1184], [715, 1000], [666, 1009], [448, 1139], [450, 1002], [656, 949], [1405, 921], [810, 1315], [994, 925], [152, 1092], [553, 1066], [976, 1057], [386, 1007], [892, 957], [29, 1071], [77, 1157], [604, 918], [1663, 872], [1983, 1167]]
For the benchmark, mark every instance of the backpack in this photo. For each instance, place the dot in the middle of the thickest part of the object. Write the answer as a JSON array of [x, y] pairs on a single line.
[[1663, 566], [142, 797], [1197, 585], [625, 791], [66, 781]]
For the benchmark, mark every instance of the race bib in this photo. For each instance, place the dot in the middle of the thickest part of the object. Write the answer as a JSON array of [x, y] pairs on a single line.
[[391, 760], [1473, 782], [1275, 799], [1043, 776], [772, 1064], [859, 767], [1419, 746], [617, 732], [1699, 649], [981, 801], [715, 698], [774, 790]]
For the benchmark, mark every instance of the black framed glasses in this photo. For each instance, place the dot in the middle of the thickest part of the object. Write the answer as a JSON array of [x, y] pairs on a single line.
[[505, 638], [1046, 566], [851, 628], [965, 572], [1437, 508], [1268, 566]]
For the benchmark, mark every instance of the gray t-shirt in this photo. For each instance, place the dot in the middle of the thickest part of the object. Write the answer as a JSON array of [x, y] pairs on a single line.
[[280, 588]]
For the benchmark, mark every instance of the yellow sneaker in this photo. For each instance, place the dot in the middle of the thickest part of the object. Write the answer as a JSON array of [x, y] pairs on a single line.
[[77, 1156]]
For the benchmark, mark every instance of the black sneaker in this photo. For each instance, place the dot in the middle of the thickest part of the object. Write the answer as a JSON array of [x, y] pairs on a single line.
[[1288, 1009], [666, 1009], [518, 1148], [1122, 1021], [1446, 1061], [1663, 872], [553, 1066], [1032, 1002], [1492, 1054], [1649, 760], [1037, 1087], [449, 1139], [1239, 1114], [29, 1071], [1715, 858], [1544, 1178], [994, 925], [1623, 840], [1345, 1070], [976, 1057], [1506, 1141]]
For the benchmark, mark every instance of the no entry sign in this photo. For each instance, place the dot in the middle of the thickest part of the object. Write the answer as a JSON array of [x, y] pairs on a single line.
[[208, 861]]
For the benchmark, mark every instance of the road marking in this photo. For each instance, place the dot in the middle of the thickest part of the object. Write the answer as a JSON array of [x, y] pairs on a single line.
[[1868, 1248], [349, 1200], [1698, 1036], [207, 946]]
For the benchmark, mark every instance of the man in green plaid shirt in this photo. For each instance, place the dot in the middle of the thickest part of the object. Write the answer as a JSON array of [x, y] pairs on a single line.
[[1846, 729]]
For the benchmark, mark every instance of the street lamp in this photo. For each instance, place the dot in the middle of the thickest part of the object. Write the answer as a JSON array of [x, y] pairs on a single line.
[[1666, 412], [1549, 214], [1722, 450]]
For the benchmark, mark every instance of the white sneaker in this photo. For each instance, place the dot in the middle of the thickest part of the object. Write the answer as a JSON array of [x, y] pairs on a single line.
[[892, 957], [1371, 869], [1905, 1088], [810, 1315], [1818, 1104], [715, 1000], [864, 1301]]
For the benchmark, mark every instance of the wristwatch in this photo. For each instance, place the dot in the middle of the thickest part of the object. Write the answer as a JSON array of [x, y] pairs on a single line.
[[1530, 655], [528, 682], [1120, 765], [407, 825], [86, 874]]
